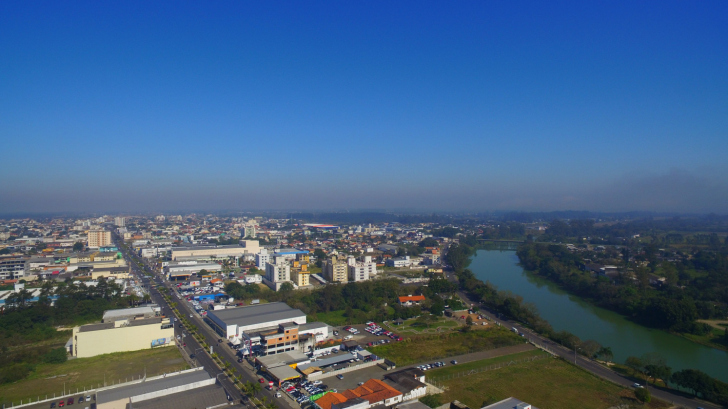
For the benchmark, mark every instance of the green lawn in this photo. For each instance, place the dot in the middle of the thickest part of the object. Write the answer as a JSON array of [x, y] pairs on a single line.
[[547, 383], [82, 373], [421, 348]]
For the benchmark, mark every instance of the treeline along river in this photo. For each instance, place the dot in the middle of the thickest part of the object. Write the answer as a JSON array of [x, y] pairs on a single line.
[[569, 313]]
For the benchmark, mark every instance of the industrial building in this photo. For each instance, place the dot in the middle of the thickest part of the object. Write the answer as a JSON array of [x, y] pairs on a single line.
[[121, 332], [245, 247], [192, 388], [234, 322], [183, 270]]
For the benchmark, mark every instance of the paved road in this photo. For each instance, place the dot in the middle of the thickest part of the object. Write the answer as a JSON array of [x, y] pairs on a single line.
[[202, 356], [588, 364]]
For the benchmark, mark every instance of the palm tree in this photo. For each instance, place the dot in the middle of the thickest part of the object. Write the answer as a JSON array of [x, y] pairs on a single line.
[[255, 388]]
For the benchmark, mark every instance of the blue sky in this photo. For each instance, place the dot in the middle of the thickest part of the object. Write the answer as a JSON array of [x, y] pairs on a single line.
[[478, 105]]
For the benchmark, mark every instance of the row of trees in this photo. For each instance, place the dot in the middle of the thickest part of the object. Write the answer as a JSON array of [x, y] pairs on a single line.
[[652, 366]]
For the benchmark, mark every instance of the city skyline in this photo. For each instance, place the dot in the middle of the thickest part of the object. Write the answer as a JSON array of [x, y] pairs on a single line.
[[456, 107]]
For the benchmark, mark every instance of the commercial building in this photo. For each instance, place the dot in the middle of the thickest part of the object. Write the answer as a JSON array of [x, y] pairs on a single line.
[[374, 392], [192, 388], [399, 262], [335, 271], [282, 366], [245, 247], [99, 238], [130, 313], [121, 336], [183, 270], [120, 221], [234, 322]]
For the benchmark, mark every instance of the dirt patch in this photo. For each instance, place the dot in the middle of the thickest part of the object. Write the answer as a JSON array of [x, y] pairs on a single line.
[[720, 324]]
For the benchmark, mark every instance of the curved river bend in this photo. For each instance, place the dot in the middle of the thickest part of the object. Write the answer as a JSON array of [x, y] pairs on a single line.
[[570, 313]]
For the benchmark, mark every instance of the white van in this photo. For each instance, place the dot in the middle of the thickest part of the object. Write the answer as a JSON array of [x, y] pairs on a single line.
[[514, 329], [348, 337]]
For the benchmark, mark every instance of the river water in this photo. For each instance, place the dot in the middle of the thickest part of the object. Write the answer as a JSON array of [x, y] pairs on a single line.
[[570, 313]]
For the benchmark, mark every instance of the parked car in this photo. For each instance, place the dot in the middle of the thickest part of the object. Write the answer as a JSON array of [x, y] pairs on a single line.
[[454, 362], [53, 405], [70, 401], [61, 404], [340, 376]]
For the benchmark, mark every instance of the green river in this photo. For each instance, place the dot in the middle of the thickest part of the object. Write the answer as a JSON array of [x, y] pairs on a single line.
[[570, 313]]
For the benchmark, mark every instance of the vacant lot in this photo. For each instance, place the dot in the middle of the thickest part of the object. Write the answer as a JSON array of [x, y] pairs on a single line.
[[334, 318], [423, 348], [90, 372], [423, 326], [547, 383]]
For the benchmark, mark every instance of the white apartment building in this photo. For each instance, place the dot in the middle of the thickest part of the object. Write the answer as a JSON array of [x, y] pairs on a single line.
[[361, 271], [99, 238], [262, 258], [277, 273]]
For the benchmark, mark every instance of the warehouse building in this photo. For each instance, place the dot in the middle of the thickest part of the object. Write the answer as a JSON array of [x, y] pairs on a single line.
[[147, 311], [121, 335], [246, 247], [234, 322], [193, 388]]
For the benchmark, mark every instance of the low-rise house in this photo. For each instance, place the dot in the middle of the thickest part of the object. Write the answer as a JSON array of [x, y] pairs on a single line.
[[411, 300]]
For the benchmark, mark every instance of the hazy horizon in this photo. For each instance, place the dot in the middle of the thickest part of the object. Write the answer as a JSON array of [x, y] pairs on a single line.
[[520, 106]]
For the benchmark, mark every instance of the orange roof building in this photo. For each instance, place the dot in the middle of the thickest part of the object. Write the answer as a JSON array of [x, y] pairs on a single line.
[[373, 391], [411, 300], [329, 399]]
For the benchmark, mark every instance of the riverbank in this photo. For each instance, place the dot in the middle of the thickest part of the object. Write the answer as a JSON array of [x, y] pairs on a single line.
[[641, 304], [565, 312]]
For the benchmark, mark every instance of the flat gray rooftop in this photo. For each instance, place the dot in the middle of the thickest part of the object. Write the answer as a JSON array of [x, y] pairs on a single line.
[[336, 359], [137, 389], [256, 314], [201, 398], [510, 403]]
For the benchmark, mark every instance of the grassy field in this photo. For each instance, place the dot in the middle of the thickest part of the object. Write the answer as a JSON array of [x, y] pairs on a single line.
[[547, 383], [715, 339], [335, 318], [90, 372], [420, 348], [412, 326]]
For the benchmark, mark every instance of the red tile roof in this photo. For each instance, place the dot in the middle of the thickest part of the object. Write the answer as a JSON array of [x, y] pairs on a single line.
[[414, 298]]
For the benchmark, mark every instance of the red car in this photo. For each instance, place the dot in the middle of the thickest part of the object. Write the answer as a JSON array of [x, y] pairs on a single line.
[[261, 380], [61, 404], [70, 401]]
